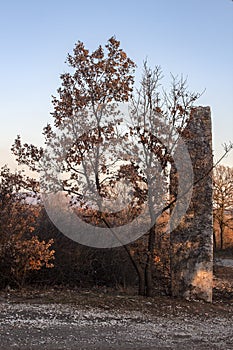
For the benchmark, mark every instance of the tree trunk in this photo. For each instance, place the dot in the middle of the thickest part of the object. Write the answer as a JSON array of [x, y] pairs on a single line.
[[141, 282], [140, 272], [215, 241], [149, 262], [148, 277], [221, 236]]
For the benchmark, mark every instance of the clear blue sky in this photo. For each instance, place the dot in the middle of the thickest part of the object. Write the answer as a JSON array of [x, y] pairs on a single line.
[[193, 37]]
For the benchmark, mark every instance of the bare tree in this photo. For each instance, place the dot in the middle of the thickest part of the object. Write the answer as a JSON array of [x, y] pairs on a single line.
[[223, 199], [158, 119]]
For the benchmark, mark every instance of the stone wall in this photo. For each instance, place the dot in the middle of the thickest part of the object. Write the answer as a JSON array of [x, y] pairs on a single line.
[[192, 242]]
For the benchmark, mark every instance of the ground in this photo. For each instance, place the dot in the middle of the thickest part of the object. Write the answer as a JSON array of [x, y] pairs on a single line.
[[103, 319]]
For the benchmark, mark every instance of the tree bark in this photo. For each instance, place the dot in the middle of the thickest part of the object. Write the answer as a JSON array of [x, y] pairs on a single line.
[[149, 262], [148, 277], [139, 270], [141, 282], [221, 236], [215, 241]]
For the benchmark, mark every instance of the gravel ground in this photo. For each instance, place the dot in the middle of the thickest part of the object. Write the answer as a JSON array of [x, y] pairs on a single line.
[[64, 326], [93, 320]]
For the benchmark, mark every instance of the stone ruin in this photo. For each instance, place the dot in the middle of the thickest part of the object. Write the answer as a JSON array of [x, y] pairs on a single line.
[[191, 243]]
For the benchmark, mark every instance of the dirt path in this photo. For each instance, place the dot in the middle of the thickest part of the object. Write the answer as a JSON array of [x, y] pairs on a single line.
[[115, 323]]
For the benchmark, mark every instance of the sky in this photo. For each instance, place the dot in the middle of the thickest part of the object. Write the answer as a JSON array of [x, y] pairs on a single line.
[[189, 37]]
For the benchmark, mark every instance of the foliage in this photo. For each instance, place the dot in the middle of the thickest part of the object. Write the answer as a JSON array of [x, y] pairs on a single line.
[[25, 256], [84, 108], [20, 252]]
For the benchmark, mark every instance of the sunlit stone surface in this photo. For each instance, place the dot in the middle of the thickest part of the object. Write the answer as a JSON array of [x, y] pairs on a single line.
[[191, 242]]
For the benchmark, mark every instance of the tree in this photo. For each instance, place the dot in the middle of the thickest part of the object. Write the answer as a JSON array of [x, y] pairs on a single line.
[[223, 199], [20, 251], [158, 119], [86, 121], [96, 152], [86, 107]]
